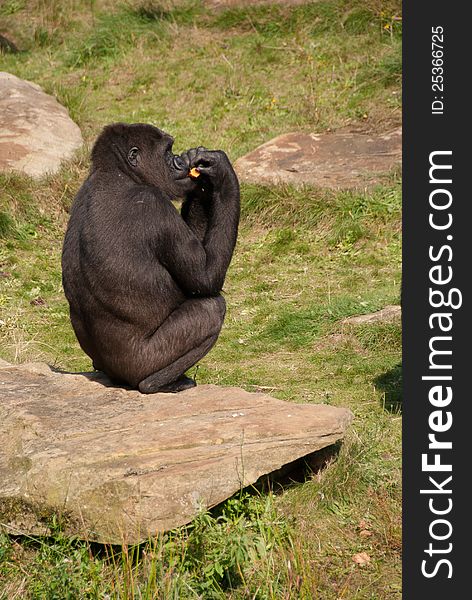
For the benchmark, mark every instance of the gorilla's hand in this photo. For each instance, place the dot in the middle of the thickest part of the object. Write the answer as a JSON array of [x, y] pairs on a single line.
[[214, 164], [185, 184]]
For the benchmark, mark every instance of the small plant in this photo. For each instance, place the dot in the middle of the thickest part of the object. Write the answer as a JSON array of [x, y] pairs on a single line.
[[10, 7], [7, 226]]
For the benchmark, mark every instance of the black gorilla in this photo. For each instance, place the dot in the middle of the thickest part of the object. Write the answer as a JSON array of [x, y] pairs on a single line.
[[143, 281]]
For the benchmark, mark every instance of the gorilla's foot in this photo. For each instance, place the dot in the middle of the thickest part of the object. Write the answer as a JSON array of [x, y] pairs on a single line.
[[170, 378], [181, 383]]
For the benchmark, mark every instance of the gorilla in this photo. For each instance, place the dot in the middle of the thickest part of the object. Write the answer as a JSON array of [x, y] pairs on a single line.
[[144, 281]]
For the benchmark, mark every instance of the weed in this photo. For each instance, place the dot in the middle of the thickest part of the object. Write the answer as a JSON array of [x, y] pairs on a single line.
[[7, 226], [10, 7]]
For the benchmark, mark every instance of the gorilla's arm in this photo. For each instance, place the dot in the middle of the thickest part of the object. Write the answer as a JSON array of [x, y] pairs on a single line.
[[197, 203], [196, 247], [195, 212]]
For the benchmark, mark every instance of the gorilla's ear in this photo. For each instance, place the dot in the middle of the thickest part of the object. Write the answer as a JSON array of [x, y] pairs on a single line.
[[133, 156]]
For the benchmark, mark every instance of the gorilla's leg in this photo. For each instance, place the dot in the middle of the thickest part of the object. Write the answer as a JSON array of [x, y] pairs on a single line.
[[170, 379], [193, 330]]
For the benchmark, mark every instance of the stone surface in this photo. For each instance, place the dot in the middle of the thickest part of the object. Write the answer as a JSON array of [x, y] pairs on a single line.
[[36, 132], [119, 466], [385, 315], [331, 160]]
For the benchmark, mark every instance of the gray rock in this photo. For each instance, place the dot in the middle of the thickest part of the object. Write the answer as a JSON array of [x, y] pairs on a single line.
[[36, 132], [119, 466], [387, 314], [329, 160]]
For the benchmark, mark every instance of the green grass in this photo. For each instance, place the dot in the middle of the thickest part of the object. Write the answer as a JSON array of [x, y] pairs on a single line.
[[306, 258]]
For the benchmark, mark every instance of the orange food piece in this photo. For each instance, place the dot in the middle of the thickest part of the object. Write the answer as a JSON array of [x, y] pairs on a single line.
[[194, 173]]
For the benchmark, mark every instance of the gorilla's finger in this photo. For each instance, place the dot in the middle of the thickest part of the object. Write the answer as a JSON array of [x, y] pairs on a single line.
[[210, 170], [192, 154], [206, 158]]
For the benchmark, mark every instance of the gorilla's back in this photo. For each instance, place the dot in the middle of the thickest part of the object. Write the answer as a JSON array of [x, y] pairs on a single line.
[[112, 279]]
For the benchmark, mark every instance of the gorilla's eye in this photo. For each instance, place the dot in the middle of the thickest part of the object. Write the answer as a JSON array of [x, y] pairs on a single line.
[[133, 156]]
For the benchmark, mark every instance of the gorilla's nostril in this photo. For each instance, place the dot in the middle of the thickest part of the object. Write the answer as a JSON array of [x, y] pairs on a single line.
[[178, 162]]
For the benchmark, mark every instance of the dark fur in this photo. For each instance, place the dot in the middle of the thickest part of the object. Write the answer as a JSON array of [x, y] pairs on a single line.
[[143, 281], [7, 46]]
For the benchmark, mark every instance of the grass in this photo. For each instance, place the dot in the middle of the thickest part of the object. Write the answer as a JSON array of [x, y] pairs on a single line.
[[306, 258]]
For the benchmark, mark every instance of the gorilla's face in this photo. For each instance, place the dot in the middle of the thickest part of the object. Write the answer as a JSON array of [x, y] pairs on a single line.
[[145, 153], [150, 156], [178, 165]]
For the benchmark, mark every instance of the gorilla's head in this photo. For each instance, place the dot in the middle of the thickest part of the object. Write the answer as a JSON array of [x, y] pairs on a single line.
[[144, 153]]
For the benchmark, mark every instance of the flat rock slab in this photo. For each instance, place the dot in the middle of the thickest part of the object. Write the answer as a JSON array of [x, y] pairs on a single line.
[[388, 314], [328, 160], [119, 466], [36, 132]]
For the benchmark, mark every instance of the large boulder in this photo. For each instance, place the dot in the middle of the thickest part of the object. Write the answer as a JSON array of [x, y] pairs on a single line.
[[118, 466], [330, 160], [36, 132]]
